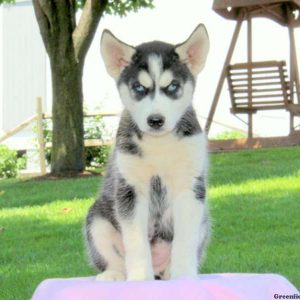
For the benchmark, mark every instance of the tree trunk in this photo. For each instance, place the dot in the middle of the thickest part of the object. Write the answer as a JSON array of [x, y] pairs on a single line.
[[67, 153], [67, 44]]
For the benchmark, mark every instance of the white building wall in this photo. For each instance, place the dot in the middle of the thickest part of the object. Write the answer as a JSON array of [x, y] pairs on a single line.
[[1, 70], [23, 64]]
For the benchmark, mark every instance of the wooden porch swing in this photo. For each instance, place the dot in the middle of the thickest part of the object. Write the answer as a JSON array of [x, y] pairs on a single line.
[[264, 85]]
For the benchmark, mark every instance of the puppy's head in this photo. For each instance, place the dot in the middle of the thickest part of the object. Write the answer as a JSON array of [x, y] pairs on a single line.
[[156, 80]]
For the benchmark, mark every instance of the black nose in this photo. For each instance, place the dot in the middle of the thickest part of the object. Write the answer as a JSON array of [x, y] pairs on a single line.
[[156, 121]]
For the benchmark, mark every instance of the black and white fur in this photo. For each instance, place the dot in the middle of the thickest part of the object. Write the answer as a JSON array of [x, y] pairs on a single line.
[[151, 220]]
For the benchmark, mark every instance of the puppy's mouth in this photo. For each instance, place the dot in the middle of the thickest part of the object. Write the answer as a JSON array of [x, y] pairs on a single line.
[[157, 132]]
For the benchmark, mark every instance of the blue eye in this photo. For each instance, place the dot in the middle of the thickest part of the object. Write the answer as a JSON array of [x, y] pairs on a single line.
[[173, 87], [138, 88]]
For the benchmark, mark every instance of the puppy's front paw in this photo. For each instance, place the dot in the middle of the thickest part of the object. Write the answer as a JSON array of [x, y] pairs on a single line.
[[140, 276], [178, 271], [111, 275]]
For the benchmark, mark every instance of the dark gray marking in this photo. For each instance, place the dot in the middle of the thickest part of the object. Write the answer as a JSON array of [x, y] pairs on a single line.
[[117, 251], [188, 125], [158, 193], [141, 96], [162, 229], [104, 206], [173, 95], [126, 131], [139, 62], [200, 188], [170, 59], [206, 220], [203, 244], [96, 258], [162, 232], [126, 198]]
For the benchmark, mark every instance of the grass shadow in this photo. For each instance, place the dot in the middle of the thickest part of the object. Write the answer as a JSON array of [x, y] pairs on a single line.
[[22, 193]]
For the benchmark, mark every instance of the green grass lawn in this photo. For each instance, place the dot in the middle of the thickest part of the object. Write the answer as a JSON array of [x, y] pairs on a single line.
[[255, 205]]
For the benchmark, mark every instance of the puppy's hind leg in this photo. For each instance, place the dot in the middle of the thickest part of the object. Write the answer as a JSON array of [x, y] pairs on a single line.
[[106, 250]]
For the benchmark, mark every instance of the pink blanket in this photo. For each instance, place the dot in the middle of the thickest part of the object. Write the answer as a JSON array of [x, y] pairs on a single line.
[[201, 287]]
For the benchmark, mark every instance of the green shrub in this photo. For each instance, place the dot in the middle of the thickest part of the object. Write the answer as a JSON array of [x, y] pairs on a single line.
[[8, 162], [229, 135], [94, 128], [47, 130], [96, 156], [21, 163]]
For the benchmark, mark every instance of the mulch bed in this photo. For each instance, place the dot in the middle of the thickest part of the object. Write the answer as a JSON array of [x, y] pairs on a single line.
[[254, 143], [67, 175]]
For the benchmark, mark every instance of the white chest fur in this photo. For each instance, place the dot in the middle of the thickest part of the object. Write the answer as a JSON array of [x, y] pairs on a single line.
[[176, 160]]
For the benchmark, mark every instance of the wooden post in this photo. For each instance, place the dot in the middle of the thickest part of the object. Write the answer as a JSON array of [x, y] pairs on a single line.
[[294, 73], [223, 74], [292, 70], [249, 53], [40, 135]]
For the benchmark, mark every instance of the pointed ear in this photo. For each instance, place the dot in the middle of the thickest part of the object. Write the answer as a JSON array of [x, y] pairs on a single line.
[[194, 50], [116, 54]]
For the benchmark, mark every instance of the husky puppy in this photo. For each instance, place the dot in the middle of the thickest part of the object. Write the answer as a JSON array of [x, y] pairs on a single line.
[[151, 220]]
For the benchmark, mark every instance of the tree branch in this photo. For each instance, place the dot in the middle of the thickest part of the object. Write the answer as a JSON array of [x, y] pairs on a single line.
[[86, 28], [48, 9], [43, 22], [73, 13]]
